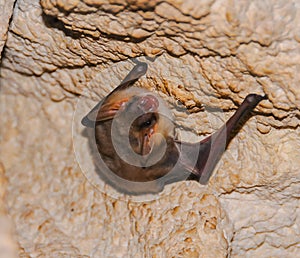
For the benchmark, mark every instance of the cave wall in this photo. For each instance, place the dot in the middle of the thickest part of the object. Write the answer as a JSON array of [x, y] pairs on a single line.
[[212, 53]]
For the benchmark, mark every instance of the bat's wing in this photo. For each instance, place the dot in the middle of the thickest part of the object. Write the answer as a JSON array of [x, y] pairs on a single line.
[[201, 158], [107, 108]]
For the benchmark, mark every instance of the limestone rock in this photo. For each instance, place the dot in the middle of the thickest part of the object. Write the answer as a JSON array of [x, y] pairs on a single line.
[[6, 10], [8, 244]]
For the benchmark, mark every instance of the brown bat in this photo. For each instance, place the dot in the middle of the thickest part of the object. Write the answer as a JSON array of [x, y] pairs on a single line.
[[134, 135]]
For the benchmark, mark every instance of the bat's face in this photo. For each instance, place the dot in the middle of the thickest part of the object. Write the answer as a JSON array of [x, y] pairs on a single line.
[[143, 124], [147, 121]]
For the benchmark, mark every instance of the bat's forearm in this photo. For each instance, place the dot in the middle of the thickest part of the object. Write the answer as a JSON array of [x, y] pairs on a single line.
[[249, 103]]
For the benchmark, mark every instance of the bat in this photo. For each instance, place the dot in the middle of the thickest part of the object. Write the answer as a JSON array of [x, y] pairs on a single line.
[[136, 143]]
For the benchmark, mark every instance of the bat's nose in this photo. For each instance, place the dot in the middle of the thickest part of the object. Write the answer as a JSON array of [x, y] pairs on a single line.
[[148, 103]]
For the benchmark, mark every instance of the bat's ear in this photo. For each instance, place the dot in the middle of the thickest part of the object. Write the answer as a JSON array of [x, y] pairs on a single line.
[[107, 108], [103, 112]]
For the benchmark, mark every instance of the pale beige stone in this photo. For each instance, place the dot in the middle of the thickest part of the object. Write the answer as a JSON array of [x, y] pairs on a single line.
[[201, 54], [8, 246], [6, 11]]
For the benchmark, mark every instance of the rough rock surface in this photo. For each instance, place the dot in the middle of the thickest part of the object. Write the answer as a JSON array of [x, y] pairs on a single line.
[[8, 246], [212, 53], [6, 10]]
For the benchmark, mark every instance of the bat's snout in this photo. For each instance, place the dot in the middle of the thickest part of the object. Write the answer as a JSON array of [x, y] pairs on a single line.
[[148, 103]]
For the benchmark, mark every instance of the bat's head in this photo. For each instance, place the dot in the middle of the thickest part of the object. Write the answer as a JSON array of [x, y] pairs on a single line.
[[150, 126], [139, 118]]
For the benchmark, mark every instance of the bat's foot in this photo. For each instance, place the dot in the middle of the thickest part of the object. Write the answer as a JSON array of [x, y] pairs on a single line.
[[254, 99]]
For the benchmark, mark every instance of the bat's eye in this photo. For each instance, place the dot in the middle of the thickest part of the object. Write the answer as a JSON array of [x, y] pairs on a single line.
[[146, 121]]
